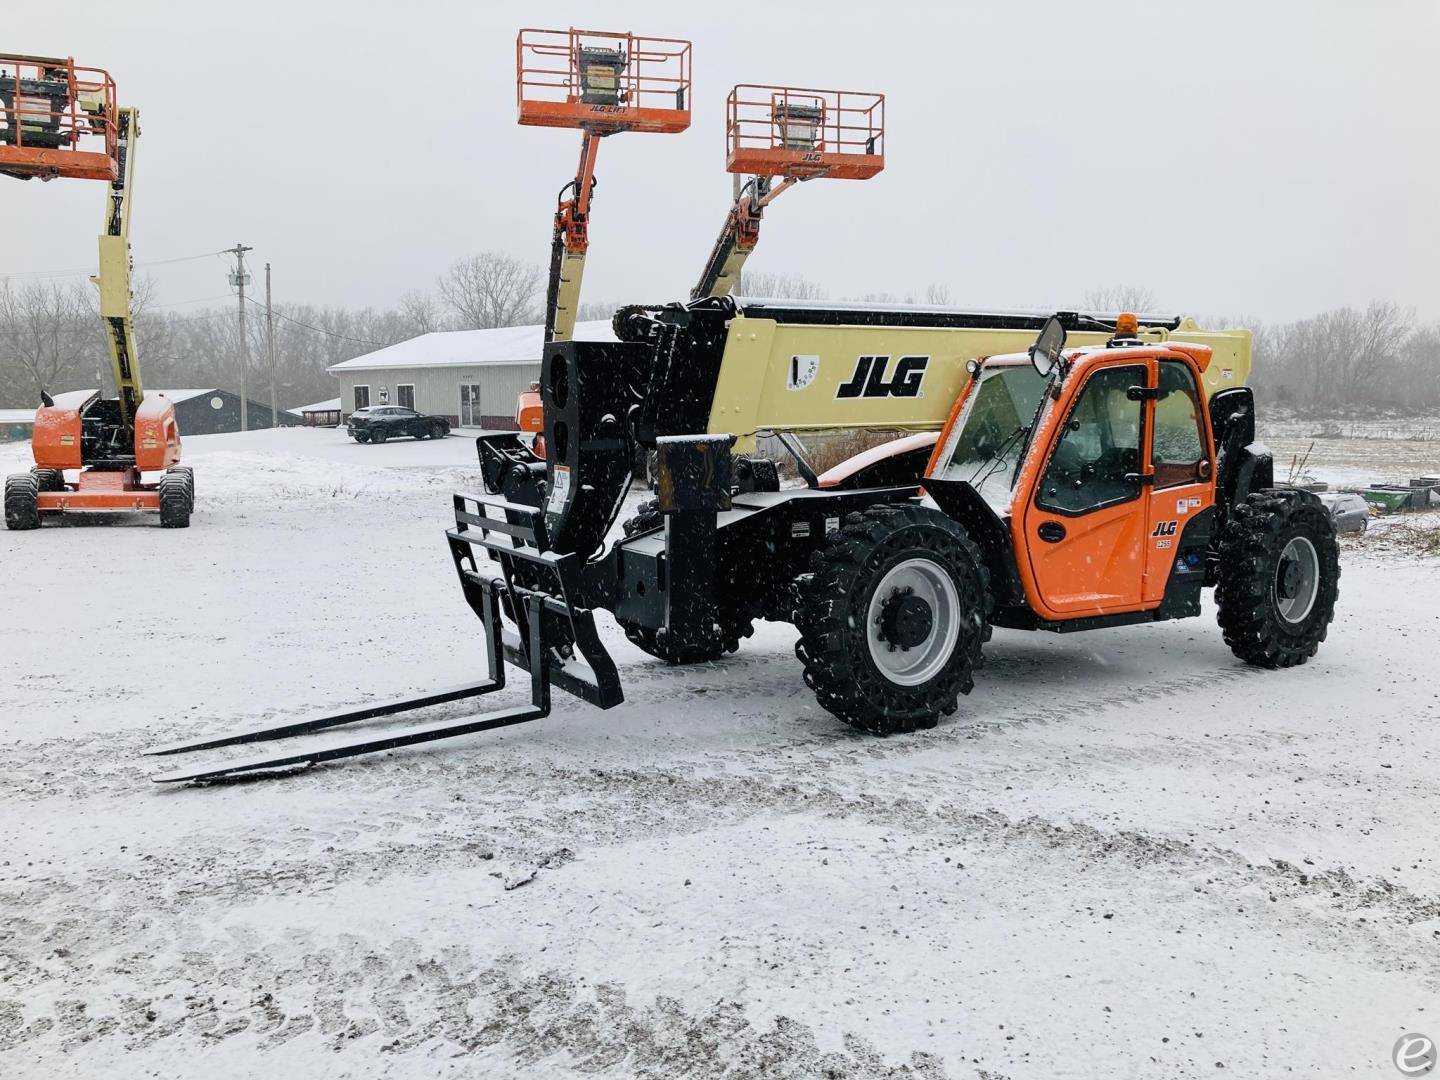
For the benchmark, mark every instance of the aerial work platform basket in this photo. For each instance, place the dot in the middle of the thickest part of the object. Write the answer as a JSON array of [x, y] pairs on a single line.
[[605, 82], [56, 119], [799, 132]]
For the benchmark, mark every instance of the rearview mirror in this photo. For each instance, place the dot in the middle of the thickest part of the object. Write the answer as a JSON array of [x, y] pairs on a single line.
[[1045, 353]]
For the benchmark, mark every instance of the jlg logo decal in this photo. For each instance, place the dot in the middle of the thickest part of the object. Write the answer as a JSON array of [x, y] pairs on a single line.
[[869, 380], [1165, 528]]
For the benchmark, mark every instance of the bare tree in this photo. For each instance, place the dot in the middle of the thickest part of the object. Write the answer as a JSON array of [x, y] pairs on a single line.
[[1121, 298], [47, 330], [490, 289], [780, 286], [938, 295], [420, 313]]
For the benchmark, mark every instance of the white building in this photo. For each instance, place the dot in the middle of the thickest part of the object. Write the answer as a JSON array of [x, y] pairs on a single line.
[[470, 376]]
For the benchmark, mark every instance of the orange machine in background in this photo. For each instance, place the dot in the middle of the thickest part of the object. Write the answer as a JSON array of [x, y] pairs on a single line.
[[59, 120]]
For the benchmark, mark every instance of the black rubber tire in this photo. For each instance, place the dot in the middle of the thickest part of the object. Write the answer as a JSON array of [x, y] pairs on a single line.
[[176, 500], [48, 479], [734, 625], [362, 437], [438, 431], [833, 605], [379, 435], [1247, 577], [21, 493], [188, 474]]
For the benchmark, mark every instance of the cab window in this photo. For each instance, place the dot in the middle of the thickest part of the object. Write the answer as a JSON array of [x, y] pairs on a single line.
[[1179, 447], [1096, 462], [989, 438]]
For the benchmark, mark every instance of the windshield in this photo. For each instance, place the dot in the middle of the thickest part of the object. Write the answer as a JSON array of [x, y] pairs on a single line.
[[992, 432]]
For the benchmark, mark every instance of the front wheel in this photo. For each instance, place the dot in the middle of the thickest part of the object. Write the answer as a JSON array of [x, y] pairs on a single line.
[[438, 431], [893, 618], [1277, 578], [22, 494]]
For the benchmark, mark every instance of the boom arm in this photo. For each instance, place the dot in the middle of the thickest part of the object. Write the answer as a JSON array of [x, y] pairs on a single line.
[[569, 244], [738, 237], [114, 276]]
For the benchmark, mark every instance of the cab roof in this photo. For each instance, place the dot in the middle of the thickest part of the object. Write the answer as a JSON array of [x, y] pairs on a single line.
[[1199, 354]]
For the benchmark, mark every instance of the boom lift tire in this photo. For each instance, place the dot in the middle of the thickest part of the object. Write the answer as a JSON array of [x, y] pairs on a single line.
[[188, 475], [734, 625], [177, 499], [48, 479], [1278, 578], [22, 510], [893, 581]]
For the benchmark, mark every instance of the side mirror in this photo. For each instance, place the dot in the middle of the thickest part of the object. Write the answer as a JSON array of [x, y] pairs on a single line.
[[1045, 353]]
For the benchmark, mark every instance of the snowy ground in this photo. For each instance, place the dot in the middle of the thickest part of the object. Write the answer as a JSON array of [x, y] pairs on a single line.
[[1128, 855]]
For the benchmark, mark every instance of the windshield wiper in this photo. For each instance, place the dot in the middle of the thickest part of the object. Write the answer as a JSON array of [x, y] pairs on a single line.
[[993, 462]]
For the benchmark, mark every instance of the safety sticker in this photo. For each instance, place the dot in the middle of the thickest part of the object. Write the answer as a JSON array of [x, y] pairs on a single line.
[[560, 489], [832, 524], [799, 528], [1227, 373]]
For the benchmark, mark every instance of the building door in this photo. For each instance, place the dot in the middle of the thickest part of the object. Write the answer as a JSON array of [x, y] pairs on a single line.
[[405, 395], [470, 405], [362, 398]]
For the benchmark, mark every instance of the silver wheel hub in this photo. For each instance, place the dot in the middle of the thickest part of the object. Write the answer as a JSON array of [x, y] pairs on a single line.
[[913, 622], [1297, 580]]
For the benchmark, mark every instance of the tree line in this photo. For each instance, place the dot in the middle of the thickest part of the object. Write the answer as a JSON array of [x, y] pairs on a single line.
[[51, 338]]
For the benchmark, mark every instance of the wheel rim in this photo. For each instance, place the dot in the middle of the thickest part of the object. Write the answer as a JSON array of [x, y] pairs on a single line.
[[1297, 580], [909, 581]]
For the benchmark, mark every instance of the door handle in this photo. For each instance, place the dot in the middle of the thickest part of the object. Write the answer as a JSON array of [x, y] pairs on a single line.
[[1052, 532]]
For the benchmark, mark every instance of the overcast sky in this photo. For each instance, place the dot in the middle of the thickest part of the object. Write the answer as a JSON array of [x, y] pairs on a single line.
[[1265, 158]]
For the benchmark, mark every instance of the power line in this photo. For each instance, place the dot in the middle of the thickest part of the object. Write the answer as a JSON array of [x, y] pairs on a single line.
[[85, 271], [319, 330]]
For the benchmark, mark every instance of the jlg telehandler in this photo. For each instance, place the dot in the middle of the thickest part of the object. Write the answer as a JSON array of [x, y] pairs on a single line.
[[1102, 477]]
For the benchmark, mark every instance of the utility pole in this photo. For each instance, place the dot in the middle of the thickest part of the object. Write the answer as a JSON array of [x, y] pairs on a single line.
[[270, 349], [239, 278]]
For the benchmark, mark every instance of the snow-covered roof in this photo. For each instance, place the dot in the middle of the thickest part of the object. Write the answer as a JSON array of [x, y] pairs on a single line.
[[71, 399], [465, 348], [333, 405]]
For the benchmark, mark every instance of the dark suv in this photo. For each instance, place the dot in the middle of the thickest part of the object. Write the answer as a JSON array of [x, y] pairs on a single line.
[[381, 422]]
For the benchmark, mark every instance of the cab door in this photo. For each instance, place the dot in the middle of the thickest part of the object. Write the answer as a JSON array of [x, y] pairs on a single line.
[[1085, 522], [1181, 465]]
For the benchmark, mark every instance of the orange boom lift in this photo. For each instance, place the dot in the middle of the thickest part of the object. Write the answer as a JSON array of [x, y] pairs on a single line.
[[791, 134], [601, 83], [60, 120]]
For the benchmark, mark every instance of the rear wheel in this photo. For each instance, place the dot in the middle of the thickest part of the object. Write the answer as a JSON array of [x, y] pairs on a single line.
[[1278, 578], [48, 479], [176, 500], [379, 435], [22, 493], [438, 431], [893, 618]]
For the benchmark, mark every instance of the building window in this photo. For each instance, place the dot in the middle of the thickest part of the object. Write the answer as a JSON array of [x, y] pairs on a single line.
[[362, 397], [405, 395]]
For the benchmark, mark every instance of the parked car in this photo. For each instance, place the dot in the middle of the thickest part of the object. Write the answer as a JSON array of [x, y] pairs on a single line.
[[381, 422]]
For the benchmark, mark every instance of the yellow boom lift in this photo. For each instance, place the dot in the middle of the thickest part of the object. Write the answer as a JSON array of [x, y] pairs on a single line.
[[789, 135], [601, 83], [60, 120]]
